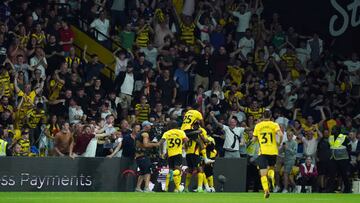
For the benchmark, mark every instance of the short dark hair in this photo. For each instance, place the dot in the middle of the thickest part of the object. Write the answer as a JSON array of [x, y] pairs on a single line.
[[172, 125], [267, 114]]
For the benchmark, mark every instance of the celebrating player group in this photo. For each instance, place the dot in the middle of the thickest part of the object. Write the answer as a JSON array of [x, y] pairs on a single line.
[[192, 139]]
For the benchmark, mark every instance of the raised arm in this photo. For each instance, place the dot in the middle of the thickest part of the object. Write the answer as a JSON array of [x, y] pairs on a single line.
[[116, 150], [40, 88], [217, 123], [84, 54], [147, 143], [17, 89]]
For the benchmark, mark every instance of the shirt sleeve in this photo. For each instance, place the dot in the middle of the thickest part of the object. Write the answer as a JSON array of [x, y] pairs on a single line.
[[255, 133], [164, 136]]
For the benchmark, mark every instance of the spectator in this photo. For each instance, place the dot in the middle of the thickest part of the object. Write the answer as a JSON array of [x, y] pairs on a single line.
[[167, 89], [181, 77], [64, 141], [24, 143], [127, 37], [315, 47], [4, 146], [76, 114], [234, 137], [244, 17], [354, 153], [38, 62], [353, 68], [118, 13], [142, 110], [308, 173], [290, 149], [246, 44], [203, 69], [125, 85], [66, 37], [102, 25]]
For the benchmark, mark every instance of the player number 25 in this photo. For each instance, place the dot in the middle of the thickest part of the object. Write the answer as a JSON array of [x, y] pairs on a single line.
[[187, 119]]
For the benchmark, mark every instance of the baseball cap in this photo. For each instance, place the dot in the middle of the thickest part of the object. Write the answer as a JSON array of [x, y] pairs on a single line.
[[146, 123]]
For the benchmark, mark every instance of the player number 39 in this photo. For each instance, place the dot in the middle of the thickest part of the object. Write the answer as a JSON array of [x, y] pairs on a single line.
[[174, 141]]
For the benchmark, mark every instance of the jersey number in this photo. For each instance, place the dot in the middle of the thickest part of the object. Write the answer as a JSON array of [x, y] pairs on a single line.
[[187, 119], [173, 142], [264, 138]]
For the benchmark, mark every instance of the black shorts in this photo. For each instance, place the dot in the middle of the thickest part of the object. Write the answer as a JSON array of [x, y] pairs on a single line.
[[264, 161], [191, 134], [209, 170], [193, 161], [175, 161], [144, 165], [323, 167]]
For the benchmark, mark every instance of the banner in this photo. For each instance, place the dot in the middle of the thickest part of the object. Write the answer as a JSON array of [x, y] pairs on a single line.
[[92, 174], [336, 21]]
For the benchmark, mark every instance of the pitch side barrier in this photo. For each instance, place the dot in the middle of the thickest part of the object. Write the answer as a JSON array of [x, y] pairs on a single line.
[[95, 174]]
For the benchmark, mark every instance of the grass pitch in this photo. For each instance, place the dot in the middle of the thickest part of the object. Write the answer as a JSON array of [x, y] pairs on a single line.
[[118, 197]]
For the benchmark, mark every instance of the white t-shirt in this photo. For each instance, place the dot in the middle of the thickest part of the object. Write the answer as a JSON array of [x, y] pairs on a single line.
[[75, 115], [303, 55], [101, 26], [229, 137], [120, 65], [150, 55], [244, 20], [35, 60], [310, 146], [353, 67], [128, 85], [247, 45]]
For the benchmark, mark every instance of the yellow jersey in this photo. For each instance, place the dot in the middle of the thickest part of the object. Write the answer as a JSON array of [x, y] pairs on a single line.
[[312, 128], [256, 114], [28, 99], [34, 118], [266, 131], [192, 146], [236, 73], [174, 141], [190, 118], [25, 147]]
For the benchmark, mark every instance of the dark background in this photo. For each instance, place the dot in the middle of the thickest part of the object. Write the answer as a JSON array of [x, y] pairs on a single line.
[[309, 16], [105, 173]]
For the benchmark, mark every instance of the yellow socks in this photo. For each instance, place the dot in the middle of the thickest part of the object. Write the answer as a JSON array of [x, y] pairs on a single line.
[[265, 183], [200, 179], [187, 181], [177, 179], [271, 175], [210, 180]]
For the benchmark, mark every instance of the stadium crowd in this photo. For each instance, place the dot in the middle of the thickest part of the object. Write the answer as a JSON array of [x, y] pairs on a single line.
[[219, 57]]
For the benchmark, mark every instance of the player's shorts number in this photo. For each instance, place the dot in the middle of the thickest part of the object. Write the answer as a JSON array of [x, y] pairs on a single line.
[[174, 141], [266, 137], [189, 143]]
